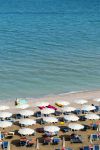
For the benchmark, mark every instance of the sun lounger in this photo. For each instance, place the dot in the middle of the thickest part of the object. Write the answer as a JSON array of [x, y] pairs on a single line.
[[76, 139], [10, 134], [55, 141], [41, 107], [52, 107], [57, 113], [94, 126], [96, 147], [68, 148], [38, 114], [23, 141], [77, 111], [94, 137], [5, 145], [46, 141], [82, 118]]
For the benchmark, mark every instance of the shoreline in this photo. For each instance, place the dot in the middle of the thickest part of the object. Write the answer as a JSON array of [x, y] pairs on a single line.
[[69, 96]]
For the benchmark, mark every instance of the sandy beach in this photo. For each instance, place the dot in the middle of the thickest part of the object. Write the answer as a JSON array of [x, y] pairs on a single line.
[[88, 95]]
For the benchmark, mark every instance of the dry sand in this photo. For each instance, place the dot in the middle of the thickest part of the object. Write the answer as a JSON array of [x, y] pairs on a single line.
[[89, 95]]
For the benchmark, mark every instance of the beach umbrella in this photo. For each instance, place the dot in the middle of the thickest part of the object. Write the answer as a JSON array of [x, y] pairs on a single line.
[[71, 117], [2, 107], [63, 143], [23, 106], [27, 122], [75, 126], [37, 144], [80, 101], [88, 107], [68, 109], [26, 131], [47, 111], [62, 103], [5, 115], [51, 129], [97, 100], [26, 113], [41, 104], [50, 119], [4, 124], [92, 116]]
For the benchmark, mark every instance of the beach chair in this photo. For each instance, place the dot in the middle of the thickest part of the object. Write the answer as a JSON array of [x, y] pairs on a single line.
[[57, 113], [55, 141], [94, 126], [77, 111], [94, 137], [18, 116], [52, 107], [96, 147], [82, 118], [68, 148], [38, 114], [5, 145], [23, 141], [64, 129], [97, 108]]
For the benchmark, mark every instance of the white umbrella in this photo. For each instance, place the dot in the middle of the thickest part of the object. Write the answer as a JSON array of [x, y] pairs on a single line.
[[92, 116], [4, 124], [97, 100], [51, 129], [26, 113], [71, 117], [5, 115], [37, 144], [50, 119], [88, 107], [47, 111], [2, 107], [26, 131], [62, 103], [63, 143], [27, 122], [68, 109], [80, 101], [23, 106], [40, 104], [75, 126]]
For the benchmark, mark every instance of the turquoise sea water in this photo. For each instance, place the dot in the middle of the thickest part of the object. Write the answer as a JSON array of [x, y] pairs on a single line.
[[48, 47]]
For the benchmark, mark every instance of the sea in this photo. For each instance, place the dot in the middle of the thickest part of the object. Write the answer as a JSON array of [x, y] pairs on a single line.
[[48, 47]]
